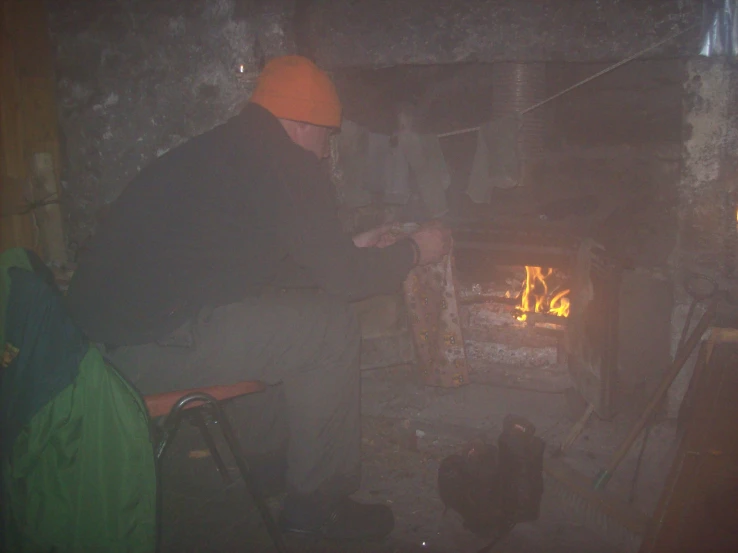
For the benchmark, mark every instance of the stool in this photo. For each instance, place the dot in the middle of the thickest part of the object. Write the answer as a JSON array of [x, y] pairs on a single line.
[[171, 405]]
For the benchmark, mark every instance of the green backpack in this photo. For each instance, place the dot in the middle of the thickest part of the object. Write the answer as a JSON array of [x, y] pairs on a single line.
[[77, 463]]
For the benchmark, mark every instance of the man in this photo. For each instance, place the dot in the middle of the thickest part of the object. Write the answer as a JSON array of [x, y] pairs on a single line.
[[182, 283]]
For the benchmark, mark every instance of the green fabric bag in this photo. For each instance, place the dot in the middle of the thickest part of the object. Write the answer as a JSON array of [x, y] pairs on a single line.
[[78, 470]]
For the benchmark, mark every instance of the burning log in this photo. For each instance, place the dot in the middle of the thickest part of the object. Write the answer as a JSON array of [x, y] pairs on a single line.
[[544, 318], [484, 298]]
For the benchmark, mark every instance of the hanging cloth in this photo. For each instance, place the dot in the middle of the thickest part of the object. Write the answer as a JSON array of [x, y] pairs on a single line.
[[428, 165], [352, 157], [386, 172], [397, 183], [496, 160]]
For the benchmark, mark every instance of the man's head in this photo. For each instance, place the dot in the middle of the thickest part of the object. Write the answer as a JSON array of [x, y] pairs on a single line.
[[303, 98]]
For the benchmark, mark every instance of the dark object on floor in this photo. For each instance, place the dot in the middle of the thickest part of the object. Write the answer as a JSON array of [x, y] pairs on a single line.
[[698, 505], [495, 487], [468, 483], [344, 519], [158, 404], [521, 470]]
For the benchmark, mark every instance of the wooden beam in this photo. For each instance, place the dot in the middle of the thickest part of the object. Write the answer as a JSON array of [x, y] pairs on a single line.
[[16, 229], [28, 129], [10, 103], [47, 215]]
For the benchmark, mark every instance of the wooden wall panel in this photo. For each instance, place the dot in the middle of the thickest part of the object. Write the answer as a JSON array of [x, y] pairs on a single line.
[[28, 126]]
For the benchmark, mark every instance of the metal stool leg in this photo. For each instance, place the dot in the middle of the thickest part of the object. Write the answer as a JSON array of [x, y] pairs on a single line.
[[199, 421], [234, 446], [168, 429]]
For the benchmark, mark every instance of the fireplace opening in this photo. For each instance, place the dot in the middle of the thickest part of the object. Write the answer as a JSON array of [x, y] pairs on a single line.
[[541, 309], [511, 329]]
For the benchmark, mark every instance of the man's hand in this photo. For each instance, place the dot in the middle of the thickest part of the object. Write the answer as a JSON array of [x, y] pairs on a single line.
[[434, 242], [379, 237]]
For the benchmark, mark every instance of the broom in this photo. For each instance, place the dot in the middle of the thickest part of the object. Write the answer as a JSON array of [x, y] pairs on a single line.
[[619, 522]]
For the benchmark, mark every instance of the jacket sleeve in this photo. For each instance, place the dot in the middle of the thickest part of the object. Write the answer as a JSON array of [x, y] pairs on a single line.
[[310, 228]]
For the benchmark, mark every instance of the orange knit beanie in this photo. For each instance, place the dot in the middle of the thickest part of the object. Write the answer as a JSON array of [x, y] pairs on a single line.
[[293, 87]]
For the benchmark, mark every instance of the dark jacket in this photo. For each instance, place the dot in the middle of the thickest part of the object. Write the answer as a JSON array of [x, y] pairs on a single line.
[[214, 220]]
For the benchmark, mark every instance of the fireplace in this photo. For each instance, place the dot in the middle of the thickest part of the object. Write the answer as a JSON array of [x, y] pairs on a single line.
[[595, 191], [548, 294]]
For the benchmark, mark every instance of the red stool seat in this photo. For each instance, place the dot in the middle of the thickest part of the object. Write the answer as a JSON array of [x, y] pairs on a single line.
[[159, 405]]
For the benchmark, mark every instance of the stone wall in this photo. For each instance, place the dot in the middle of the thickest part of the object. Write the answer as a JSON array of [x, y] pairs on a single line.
[[382, 33], [706, 189], [708, 231], [138, 78]]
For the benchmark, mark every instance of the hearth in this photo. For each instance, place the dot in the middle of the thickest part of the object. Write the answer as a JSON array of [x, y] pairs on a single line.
[[550, 297]]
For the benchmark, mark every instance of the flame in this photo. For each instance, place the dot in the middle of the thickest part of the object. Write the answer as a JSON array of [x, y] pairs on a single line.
[[534, 298], [559, 304]]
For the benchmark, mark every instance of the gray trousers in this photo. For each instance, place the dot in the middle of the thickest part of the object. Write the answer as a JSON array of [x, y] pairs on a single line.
[[308, 342]]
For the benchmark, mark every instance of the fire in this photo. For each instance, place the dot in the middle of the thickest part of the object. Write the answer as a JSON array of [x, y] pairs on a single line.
[[535, 296]]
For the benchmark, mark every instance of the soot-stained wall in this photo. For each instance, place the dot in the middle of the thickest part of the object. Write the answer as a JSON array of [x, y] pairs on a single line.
[[136, 78], [382, 33]]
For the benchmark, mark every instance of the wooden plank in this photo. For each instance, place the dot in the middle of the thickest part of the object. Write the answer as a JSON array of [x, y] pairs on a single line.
[[30, 32], [28, 126], [16, 229], [39, 113], [11, 135], [37, 82], [48, 215]]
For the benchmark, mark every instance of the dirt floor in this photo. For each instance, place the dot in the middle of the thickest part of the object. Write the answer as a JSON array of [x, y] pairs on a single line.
[[407, 430]]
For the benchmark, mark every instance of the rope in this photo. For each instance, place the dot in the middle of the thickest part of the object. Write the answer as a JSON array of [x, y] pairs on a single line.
[[32, 206], [585, 81]]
